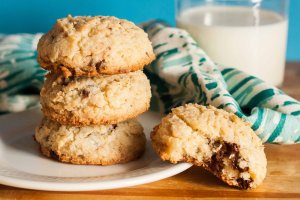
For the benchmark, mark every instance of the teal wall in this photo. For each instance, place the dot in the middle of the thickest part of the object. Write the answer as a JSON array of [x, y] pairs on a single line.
[[39, 15]]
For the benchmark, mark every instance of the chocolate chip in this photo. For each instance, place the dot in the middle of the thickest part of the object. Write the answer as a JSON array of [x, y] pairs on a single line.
[[216, 164], [112, 128], [233, 151], [246, 169], [234, 148], [65, 83], [229, 151], [216, 144], [243, 184], [85, 93], [98, 65], [54, 155], [67, 80]]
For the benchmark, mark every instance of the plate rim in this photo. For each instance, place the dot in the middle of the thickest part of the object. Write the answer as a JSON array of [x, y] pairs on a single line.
[[95, 185]]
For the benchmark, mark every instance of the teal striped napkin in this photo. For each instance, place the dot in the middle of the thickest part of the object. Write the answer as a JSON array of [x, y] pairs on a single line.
[[183, 73], [21, 77]]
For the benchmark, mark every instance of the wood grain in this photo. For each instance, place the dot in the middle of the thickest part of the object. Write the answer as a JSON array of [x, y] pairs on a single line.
[[282, 181], [291, 83]]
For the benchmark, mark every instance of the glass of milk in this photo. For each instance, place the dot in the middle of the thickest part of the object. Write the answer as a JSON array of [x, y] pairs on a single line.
[[250, 35]]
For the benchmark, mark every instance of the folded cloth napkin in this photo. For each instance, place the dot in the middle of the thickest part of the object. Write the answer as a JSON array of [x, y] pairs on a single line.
[[21, 77], [182, 73]]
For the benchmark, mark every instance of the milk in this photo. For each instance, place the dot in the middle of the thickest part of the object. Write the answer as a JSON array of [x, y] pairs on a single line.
[[248, 39]]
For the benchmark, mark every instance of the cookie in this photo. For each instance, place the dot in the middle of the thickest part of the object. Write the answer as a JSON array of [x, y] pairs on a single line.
[[95, 145], [219, 141], [89, 46], [105, 99]]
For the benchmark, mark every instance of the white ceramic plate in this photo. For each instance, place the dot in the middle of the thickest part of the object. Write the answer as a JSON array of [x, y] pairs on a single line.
[[22, 165]]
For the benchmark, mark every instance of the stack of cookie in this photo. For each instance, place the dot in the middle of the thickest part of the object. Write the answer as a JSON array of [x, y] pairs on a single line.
[[94, 90]]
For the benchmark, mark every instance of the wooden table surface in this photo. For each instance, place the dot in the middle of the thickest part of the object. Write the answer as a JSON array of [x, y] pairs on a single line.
[[282, 181]]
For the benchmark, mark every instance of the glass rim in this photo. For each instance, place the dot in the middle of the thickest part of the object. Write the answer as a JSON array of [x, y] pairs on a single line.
[[253, 1], [228, 1], [281, 6]]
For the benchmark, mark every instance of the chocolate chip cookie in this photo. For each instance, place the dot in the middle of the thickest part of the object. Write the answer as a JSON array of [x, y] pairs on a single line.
[[215, 139], [89, 46]]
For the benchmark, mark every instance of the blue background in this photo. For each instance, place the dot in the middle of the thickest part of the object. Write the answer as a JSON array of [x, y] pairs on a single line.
[[32, 16]]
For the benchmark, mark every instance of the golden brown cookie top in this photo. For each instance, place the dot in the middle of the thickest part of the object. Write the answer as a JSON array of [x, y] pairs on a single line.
[[105, 99], [88, 46]]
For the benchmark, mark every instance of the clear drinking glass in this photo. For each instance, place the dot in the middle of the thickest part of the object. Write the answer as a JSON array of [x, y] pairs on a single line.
[[250, 35]]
